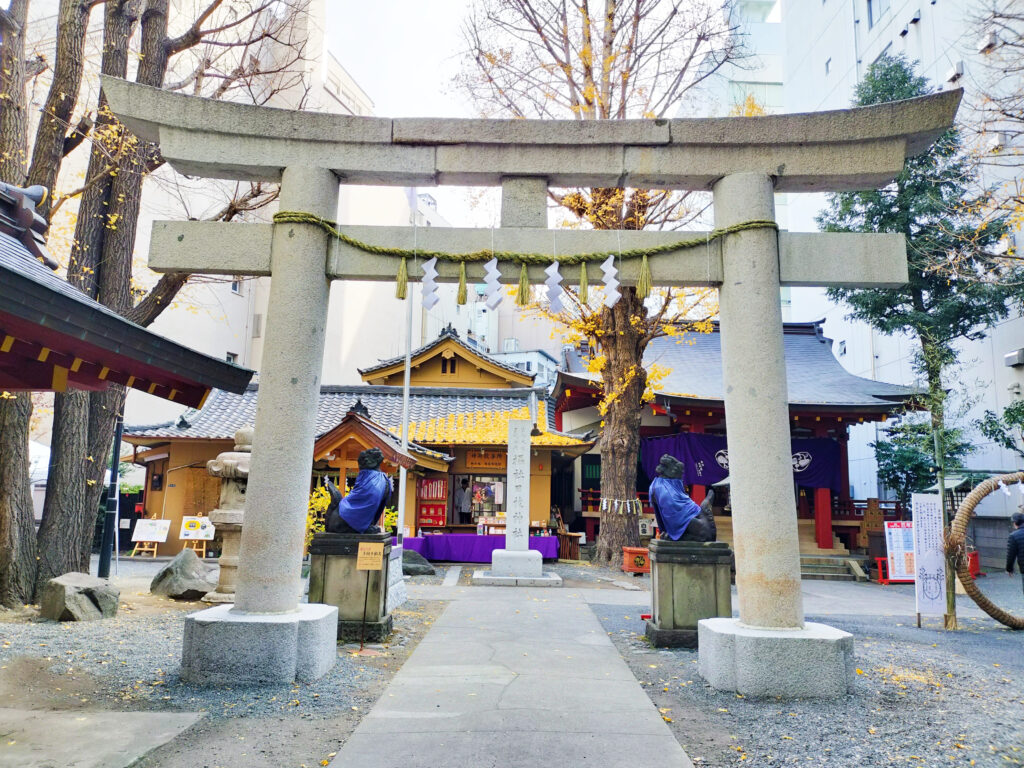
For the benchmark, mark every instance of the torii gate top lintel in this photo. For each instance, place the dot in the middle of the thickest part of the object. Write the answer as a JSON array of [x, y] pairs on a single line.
[[838, 150]]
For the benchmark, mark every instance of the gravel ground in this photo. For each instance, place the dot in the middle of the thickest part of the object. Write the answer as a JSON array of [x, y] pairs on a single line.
[[922, 697], [131, 663]]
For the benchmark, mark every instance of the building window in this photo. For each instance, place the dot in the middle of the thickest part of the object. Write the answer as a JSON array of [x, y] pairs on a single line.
[[236, 286], [877, 9], [231, 357], [828, 65], [448, 365], [842, 348]]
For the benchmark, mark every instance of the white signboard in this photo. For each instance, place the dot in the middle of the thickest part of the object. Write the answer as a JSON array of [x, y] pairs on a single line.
[[151, 530], [196, 528], [899, 547], [517, 508], [929, 555]]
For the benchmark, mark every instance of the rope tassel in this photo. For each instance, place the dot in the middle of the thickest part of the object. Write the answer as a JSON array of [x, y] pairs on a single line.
[[584, 287], [402, 281], [523, 295], [643, 282], [462, 295]]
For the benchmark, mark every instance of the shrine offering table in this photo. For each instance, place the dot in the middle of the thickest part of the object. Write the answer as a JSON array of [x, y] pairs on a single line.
[[472, 548]]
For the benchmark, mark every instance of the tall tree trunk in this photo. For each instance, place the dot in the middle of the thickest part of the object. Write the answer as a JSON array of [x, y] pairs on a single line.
[[622, 345], [77, 456], [17, 518], [54, 120]]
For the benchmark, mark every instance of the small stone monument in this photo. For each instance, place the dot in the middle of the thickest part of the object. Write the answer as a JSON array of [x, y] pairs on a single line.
[[232, 467], [517, 564]]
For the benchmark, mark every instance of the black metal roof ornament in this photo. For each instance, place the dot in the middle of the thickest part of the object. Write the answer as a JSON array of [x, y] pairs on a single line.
[[19, 219], [359, 409]]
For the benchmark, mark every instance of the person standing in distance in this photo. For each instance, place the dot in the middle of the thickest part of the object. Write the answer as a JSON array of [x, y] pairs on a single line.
[[1015, 546], [463, 503]]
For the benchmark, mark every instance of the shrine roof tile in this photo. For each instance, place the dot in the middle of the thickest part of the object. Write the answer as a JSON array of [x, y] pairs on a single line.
[[814, 376], [437, 415]]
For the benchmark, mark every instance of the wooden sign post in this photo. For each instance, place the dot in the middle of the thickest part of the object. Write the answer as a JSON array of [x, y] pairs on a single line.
[[370, 557]]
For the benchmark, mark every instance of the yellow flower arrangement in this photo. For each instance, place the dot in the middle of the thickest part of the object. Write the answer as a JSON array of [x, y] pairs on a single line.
[[316, 513]]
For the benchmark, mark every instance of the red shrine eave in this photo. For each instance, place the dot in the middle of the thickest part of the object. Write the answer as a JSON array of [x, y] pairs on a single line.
[[53, 337]]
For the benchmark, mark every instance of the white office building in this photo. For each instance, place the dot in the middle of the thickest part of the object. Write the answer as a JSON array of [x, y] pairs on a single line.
[[828, 46]]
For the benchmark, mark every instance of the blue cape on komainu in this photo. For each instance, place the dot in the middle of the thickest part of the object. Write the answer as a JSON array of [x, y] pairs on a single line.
[[673, 508], [364, 503]]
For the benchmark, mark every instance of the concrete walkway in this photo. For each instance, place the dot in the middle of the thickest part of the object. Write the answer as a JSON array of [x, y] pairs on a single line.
[[509, 677]]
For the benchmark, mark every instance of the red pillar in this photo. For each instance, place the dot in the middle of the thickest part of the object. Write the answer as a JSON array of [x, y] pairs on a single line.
[[822, 508], [844, 466], [698, 492]]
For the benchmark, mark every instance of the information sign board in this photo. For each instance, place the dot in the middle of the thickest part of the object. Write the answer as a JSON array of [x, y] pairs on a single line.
[[196, 528], [370, 556], [151, 530], [899, 546], [929, 554]]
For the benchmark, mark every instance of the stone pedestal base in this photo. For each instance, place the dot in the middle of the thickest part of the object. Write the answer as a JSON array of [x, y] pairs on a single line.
[[397, 593], [335, 580], [509, 562], [226, 647], [690, 581], [516, 568], [371, 632], [813, 662]]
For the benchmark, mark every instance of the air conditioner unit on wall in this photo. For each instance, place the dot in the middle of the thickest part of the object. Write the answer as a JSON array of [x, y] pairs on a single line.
[[988, 41], [1014, 359], [955, 72]]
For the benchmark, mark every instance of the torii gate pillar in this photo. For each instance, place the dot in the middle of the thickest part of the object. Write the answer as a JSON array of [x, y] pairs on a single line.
[[268, 635], [768, 650]]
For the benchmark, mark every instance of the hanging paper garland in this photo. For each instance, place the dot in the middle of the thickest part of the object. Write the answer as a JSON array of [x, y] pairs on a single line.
[[492, 276], [554, 284], [611, 285], [430, 297]]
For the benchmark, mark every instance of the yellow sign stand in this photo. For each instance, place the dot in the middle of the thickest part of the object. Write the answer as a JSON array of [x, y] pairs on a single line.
[[369, 557]]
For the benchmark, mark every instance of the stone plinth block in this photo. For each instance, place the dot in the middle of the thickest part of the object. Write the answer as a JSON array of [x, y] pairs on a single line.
[[224, 647], [335, 580], [516, 568], [690, 581], [813, 662], [527, 564]]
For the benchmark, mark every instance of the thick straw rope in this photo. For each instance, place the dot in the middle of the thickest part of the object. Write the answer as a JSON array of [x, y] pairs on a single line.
[[956, 548], [331, 227]]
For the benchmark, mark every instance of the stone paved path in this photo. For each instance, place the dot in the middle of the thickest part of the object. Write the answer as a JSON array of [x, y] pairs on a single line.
[[514, 677]]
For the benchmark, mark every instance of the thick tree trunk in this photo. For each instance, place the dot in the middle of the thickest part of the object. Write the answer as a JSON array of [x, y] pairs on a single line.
[[622, 345], [17, 519], [77, 456], [65, 514], [69, 62]]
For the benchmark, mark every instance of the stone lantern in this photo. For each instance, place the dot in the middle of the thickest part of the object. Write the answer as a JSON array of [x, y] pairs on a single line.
[[233, 469]]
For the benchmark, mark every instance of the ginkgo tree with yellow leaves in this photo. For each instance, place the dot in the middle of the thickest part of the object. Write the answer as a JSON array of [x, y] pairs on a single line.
[[607, 60], [248, 50]]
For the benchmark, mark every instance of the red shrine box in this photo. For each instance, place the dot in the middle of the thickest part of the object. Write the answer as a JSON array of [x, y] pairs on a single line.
[[635, 560]]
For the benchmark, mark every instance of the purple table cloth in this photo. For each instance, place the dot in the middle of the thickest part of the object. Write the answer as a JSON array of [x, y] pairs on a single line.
[[471, 548]]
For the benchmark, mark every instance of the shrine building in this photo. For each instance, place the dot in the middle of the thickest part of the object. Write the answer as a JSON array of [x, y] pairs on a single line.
[[460, 403], [687, 420]]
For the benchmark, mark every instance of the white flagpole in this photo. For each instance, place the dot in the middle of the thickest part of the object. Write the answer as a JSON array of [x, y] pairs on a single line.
[[402, 473]]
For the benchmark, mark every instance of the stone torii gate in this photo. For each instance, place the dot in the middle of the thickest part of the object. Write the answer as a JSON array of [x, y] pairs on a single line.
[[743, 161]]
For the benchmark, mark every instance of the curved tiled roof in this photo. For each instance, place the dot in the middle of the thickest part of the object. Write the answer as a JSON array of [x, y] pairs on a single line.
[[814, 376], [437, 415], [446, 334]]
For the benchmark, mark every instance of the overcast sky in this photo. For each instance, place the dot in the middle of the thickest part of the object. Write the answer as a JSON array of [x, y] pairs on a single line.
[[402, 52]]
